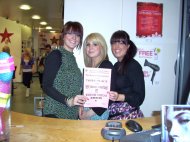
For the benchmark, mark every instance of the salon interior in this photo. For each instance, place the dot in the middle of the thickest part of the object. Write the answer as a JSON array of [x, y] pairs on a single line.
[[39, 23], [31, 23]]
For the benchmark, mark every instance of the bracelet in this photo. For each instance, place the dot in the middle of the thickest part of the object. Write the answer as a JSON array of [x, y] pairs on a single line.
[[69, 101], [66, 102]]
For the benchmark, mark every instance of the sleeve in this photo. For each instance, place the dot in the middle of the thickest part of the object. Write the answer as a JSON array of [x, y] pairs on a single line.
[[106, 64], [136, 94], [52, 65]]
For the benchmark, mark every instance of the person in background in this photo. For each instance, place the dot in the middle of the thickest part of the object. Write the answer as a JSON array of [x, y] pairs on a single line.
[[27, 69], [62, 79], [48, 49], [7, 50], [177, 123], [95, 56], [129, 91], [41, 63]]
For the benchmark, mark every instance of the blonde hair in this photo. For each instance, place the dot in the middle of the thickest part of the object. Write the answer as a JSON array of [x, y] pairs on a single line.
[[28, 52], [100, 41]]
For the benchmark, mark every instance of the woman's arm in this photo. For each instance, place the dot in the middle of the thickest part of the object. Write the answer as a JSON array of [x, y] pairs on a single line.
[[52, 65], [33, 66], [133, 86], [136, 92], [20, 70]]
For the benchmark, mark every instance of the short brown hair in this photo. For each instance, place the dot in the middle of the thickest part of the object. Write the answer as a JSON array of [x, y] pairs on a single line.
[[6, 49], [74, 27]]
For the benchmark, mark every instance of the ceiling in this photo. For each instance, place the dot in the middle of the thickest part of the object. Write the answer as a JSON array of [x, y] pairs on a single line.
[[50, 11]]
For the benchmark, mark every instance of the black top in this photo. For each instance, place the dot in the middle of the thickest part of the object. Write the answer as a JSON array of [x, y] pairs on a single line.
[[51, 73], [131, 84], [105, 64], [62, 79]]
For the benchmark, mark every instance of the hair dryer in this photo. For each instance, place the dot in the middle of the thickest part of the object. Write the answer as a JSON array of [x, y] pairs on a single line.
[[154, 67]]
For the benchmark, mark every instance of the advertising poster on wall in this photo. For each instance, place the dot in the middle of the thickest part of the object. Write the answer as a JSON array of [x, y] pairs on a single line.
[[150, 58], [96, 87], [175, 123], [149, 19]]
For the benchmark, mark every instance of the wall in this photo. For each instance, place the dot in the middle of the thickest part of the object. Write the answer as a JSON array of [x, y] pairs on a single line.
[[20, 33], [110, 15]]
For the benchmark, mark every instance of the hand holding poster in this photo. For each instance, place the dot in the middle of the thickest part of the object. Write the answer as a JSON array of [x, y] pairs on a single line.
[[96, 87]]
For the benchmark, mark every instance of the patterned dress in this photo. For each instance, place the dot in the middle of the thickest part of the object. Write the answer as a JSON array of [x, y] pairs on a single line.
[[68, 82]]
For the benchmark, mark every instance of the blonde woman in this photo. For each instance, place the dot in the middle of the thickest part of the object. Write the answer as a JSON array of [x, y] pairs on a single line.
[[27, 68], [95, 56]]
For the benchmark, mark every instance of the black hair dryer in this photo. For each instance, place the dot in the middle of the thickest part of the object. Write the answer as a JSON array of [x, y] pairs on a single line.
[[154, 67]]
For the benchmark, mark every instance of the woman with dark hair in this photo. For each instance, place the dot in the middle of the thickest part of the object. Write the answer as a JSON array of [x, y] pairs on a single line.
[[129, 91], [62, 79]]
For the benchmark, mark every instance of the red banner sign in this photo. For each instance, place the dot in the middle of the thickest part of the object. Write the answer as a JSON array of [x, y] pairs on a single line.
[[149, 19]]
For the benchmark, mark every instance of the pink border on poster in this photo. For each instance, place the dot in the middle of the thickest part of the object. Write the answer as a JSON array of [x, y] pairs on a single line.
[[96, 87]]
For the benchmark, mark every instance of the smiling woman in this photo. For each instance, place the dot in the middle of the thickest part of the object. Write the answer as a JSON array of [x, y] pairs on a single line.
[[62, 79]]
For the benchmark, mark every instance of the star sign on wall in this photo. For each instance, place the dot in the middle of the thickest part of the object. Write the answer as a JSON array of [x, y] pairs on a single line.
[[54, 40], [5, 36]]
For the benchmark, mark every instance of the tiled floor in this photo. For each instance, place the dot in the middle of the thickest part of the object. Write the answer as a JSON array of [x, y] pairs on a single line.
[[19, 102]]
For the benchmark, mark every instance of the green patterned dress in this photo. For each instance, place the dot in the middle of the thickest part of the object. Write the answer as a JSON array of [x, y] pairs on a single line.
[[68, 82]]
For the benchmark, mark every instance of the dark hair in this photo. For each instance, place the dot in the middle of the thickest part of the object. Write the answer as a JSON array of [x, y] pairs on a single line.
[[48, 46], [74, 27], [122, 36]]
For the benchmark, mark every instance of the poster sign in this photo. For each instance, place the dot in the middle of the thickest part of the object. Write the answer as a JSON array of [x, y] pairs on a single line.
[[149, 19], [150, 57], [175, 123], [96, 87]]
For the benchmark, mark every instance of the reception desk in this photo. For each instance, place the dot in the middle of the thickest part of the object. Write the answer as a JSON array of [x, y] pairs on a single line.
[[28, 128]]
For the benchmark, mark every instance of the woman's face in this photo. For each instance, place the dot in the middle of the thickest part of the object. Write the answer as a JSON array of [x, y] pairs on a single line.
[[119, 50], [71, 41], [93, 49], [178, 122]]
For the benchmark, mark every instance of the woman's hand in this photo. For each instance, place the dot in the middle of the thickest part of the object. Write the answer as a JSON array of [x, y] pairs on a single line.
[[113, 96], [78, 100]]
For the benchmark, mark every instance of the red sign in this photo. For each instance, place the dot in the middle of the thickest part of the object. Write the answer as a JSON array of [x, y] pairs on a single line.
[[149, 19]]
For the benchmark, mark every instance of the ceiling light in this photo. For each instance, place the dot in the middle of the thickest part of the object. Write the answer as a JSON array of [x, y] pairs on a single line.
[[25, 7], [43, 23], [36, 17], [48, 27], [52, 31]]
